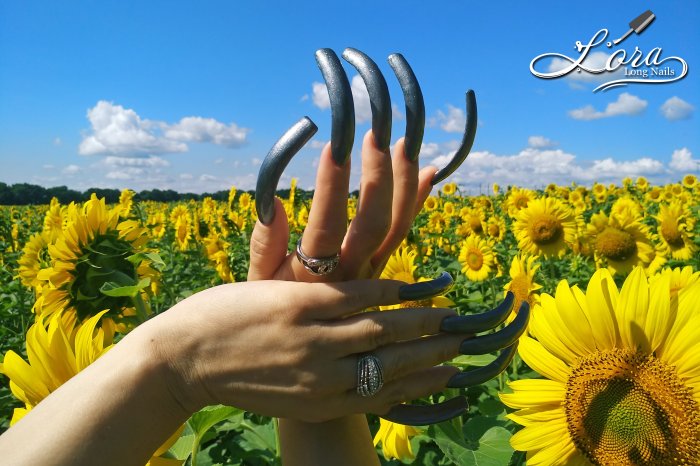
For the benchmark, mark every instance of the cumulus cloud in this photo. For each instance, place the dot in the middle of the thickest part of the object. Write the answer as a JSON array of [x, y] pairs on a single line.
[[536, 167], [451, 122], [626, 104], [676, 108], [120, 131], [682, 161], [150, 162], [319, 95], [540, 142], [316, 144]]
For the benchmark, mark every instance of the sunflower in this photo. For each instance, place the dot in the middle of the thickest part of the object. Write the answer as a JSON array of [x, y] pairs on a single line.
[[518, 199], [244, 202], [653, 195], [57, 352], [477, 258], [395, 439], [622, 375], [619, 244], [679, 278], [522, 280], [180, 218], [53, 220], [474, 219], [449, 209], [34, 258], [437, 221], [676, 225], [402, 266], [496, 189], [496, 229], [98, 263], [545, 227], [126, 202], [626, 207], [216, 251], [449, 189], [431, 203], [690, 181]]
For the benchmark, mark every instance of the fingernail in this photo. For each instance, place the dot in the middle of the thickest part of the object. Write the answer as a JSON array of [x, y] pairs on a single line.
[[498, 340], [482, 374], [424, 290], [416, 415], [476, 323]]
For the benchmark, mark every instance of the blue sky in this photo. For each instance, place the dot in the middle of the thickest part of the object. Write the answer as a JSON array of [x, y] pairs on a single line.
[[191, 95]]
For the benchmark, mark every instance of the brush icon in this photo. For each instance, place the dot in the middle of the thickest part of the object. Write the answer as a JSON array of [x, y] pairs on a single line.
[[637, 25]]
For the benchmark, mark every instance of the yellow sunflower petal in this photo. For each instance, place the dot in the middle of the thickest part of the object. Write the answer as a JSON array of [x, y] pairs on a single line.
[[534, 393], [542, 361], [555, 453], [659, 313], [25, 377], [540, 327], [602, 296], [540, 435], [530, 416], [574, 319], [633, 307]]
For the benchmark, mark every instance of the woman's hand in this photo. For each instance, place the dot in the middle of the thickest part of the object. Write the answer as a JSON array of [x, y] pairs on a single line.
[[290, 349]]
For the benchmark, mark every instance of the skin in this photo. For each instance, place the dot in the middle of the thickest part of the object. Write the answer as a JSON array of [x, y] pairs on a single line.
[[392, 192], [122, 407]]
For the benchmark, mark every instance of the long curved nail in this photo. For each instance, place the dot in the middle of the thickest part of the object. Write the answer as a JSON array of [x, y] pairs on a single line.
[[275, 163], [415, 107], [482, 374], [378, 92], [421, 415], [467, 141], [498, 340], [479, 322], [342, 106], [425, 290]]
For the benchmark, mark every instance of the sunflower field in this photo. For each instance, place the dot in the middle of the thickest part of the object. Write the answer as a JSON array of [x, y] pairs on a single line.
[[608, 371]]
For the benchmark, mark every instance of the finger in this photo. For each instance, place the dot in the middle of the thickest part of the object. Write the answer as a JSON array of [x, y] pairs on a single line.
[[371, 330], [328, 217], [373, 219], [401, 359], [330, 301], [268, 245], [425, 185]]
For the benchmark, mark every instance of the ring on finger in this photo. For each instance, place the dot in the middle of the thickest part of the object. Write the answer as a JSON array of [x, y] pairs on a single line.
[[370, 375], [317, 265]]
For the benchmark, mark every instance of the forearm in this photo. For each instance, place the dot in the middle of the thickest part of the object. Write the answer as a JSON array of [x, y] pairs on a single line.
[[341, 442], [117, 411]]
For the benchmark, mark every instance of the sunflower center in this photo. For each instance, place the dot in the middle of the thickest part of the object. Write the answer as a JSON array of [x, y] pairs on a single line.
[[616, 244], [475, 260], [545, 229], [626, 408], [669, 230], [420, 303], [520, 286], [494, 230], [475, 224]]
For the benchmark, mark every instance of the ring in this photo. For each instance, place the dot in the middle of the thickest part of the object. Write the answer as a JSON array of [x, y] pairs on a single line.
[[370, 377], [317, 265]]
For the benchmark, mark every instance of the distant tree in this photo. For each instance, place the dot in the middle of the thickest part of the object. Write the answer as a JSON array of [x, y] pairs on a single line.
[[111, 195]]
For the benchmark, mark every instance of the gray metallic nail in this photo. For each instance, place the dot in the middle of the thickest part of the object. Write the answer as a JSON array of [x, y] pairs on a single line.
[[378, 92], [425, 290], [498, 340], [479, 322], [415, 107], [467, 141], [482, 374], [342, 106], [421, 415], [274, 164]]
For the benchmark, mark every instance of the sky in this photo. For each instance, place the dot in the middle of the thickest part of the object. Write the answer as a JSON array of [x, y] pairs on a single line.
[[191, 96]]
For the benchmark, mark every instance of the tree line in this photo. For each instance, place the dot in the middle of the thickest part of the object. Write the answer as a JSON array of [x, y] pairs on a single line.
[[32, 194]]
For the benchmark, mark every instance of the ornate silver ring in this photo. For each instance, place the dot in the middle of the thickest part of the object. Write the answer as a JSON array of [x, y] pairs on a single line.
[[370, 376], [317, 265]]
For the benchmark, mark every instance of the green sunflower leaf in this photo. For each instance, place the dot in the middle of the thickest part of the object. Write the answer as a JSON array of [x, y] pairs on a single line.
[[493, 447], [115, 290]]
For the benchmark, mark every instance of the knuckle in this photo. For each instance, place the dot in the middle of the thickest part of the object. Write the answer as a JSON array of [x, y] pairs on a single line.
[[378, 332], [398, 393]]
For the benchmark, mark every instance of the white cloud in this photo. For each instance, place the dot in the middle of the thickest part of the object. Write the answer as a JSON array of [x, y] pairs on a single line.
[[430, 149], [150, 162], [319, 96], [626, 104], [682, 161], [116, 130], [71, 170], [57, 141], [540, 142], [47, 167], [206, 177], [198, 129], [453, 121], [676, 108], [316, 144], [255, 161], [304, 98], [126, 173], [186, 176], [536, 167], [218, 161]]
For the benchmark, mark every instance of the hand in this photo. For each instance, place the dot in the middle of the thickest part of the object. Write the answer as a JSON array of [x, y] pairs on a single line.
[[290, 349]]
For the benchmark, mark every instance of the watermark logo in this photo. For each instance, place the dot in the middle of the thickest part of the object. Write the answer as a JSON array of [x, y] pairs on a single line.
[[621, 66]]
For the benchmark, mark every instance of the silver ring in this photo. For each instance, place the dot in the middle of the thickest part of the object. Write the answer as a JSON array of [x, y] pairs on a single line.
[[317, 265], [370, 376]]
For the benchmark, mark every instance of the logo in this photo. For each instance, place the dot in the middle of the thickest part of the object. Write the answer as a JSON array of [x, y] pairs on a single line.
[[621, 66]]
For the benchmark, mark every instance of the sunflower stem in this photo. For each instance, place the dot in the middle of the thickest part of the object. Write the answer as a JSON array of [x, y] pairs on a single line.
[[276, 424]]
